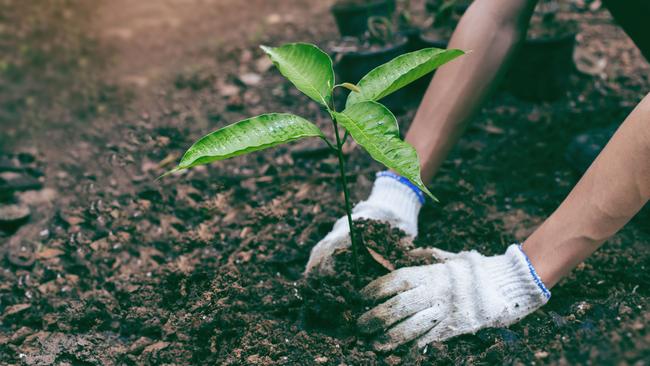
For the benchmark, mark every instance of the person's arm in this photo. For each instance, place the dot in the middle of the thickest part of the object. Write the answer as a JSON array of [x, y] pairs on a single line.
[[610, 193], [491, 29], [470, 291]]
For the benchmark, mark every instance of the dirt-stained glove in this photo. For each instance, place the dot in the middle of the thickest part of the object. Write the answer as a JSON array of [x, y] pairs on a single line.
[[466, 293], [393, 199]]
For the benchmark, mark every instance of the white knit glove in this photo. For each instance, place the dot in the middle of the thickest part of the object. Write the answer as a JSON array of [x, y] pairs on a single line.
[[393, 199], [466, 293]]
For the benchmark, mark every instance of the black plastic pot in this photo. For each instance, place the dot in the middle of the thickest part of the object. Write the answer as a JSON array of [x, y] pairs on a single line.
[[412, 38], [432, 6], [352, 18], [354, 65], [424, 41], [542, 68]]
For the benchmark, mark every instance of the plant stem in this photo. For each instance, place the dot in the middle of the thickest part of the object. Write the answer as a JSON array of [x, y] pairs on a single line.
[[346, 194], [345, 137]]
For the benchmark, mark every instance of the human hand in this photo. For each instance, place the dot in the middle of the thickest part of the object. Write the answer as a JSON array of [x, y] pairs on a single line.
[[391, 201], [465, 293]]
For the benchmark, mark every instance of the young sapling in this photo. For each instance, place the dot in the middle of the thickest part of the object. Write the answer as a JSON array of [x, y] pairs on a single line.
[[367, 121]]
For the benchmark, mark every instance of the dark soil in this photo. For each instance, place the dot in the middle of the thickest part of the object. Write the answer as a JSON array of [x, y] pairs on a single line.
[[333, 302], [115, 268], [550, 29]]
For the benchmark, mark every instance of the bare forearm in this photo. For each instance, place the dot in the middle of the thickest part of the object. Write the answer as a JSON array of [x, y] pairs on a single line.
[[610, 193], [490, 29]]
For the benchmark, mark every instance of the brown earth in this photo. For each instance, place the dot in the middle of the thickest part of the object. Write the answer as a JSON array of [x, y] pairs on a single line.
[[98, 99]]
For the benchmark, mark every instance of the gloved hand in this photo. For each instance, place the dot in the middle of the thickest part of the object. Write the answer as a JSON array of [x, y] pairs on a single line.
[[466, 293], [393, 199]]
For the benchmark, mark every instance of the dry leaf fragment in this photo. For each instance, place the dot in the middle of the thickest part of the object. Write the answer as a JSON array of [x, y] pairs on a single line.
[[250, 79], [15, 309], [169, 159], [49, 253], [155, 347], [381, 260], [245, 231]]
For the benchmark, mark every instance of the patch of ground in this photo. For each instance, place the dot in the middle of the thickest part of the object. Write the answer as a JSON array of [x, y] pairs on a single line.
[[205, 267]]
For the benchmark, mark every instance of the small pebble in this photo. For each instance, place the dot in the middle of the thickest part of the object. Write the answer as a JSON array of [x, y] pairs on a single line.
[[541, 355], [250, 79]]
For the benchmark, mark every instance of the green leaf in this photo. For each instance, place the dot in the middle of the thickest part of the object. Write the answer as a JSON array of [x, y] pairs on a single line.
[[375, 128], [399, 72], [252, 134], [307, 67]]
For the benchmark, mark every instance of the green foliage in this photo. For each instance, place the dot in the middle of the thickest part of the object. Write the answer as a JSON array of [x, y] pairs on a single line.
[[374, 127], [307, 67], [252, 134], [399, 72], [369, 123]]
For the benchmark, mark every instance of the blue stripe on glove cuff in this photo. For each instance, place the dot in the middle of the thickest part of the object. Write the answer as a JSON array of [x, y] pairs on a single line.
[[533, 273], [405, 182]]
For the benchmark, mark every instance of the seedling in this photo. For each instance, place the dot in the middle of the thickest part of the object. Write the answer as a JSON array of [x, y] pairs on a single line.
[[368, 122]]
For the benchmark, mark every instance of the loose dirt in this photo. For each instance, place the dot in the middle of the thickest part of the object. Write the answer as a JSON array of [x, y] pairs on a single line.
[[114, 268]]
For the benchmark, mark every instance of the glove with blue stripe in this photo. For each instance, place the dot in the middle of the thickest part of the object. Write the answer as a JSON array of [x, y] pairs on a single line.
[[393, 199], [465, 293]]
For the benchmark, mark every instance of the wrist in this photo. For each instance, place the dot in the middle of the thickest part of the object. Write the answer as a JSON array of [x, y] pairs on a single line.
[[554, 262], [514, 277], [404, 181], [554, 251], [533, 273]]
